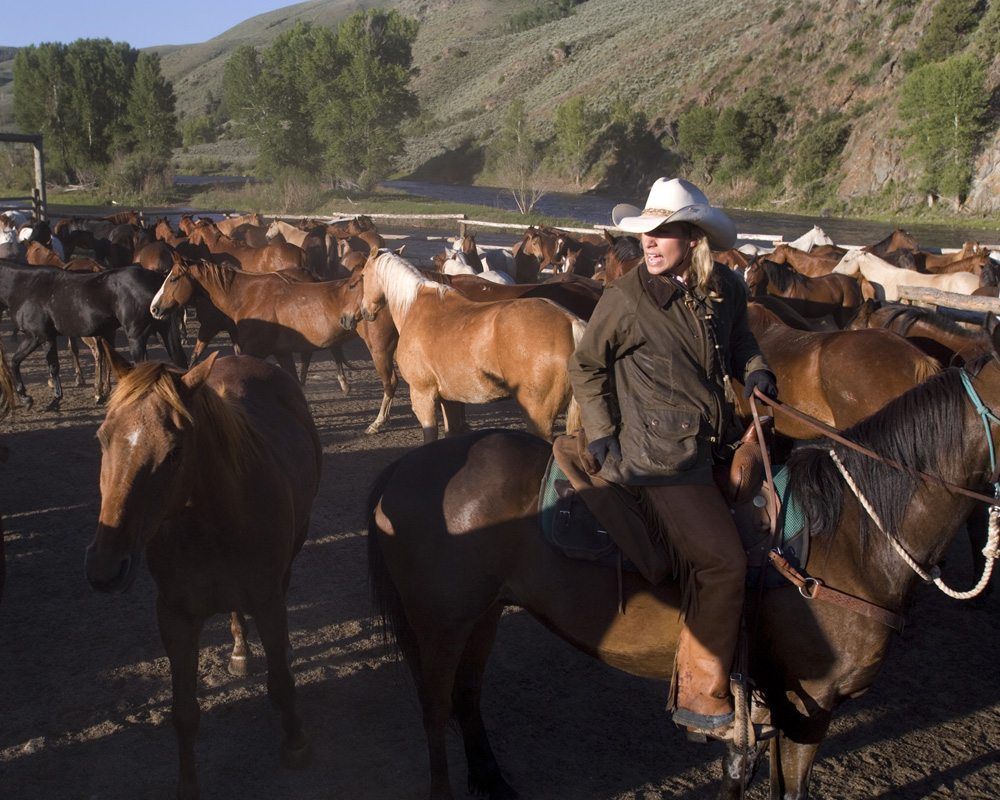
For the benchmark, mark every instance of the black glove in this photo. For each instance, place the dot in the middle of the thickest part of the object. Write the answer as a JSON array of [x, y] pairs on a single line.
[[763, 380], [606, 446]]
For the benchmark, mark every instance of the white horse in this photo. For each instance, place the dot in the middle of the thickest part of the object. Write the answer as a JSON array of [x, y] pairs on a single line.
[[811, 239], [886, 279], [457, 263]]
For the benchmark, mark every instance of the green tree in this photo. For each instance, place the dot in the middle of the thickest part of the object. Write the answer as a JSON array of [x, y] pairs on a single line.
[[268, 97], [197, 130], [41, 98], [696, 137], [150, 119], [945, 105], [361, 113], [576, 129], [99, 74], [950, 24], [515, 158], [818, 148]]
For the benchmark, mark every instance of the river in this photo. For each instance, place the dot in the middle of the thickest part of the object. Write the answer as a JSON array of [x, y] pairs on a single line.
[[594, 209]]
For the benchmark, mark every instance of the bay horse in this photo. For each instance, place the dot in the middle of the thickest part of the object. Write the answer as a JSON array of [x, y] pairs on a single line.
[[453, 350], [45, 302], [838, 377], [273, 314], [446, 558], [213, 473], [886, 279], [836, 296]]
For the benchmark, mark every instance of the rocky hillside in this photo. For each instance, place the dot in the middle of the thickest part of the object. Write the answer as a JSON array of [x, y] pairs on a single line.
[[660, 56]]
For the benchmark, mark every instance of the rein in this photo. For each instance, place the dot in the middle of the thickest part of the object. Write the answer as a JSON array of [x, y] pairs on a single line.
[[815, 589]]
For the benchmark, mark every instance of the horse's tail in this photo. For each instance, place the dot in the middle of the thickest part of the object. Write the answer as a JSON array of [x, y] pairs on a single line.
[[574, 417], [8, 394], [387, 605]]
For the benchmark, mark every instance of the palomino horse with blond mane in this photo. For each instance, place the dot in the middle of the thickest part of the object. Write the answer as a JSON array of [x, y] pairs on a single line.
[[453, 350], [212, 473]]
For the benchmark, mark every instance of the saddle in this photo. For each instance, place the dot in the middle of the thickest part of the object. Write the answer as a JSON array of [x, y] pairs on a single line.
[[588, 518]]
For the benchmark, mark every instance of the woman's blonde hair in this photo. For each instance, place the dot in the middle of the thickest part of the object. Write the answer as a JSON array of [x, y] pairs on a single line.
[[702, 263]]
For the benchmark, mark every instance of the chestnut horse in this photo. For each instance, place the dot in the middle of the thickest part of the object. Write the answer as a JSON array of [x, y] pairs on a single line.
[[446, 558], [213, 472], [453, 350], [836, 296], [804, 263], [270, 258]]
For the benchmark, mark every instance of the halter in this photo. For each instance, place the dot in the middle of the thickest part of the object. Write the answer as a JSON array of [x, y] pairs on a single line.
[[986, 416], [991, 551]]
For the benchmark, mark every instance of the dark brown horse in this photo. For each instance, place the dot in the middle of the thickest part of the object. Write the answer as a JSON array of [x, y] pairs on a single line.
[[577, 297], [941, 338], [213, 473], [835, 296], [446, 558]]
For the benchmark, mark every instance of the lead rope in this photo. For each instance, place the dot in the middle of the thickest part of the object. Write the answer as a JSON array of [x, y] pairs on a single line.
[[990, 551]]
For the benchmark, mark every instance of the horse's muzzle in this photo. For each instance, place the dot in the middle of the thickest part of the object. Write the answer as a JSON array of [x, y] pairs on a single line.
[[348, 322], [110, 573]]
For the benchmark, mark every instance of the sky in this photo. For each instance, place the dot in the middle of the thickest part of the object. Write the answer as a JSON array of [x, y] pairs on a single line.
[[139, 23]]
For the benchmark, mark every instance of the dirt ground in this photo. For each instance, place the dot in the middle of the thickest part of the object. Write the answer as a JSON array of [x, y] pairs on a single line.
[[84, 684]]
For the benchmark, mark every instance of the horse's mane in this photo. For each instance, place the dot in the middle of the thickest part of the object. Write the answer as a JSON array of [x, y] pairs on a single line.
[[626, 248], [221, 424], [781, 275], [218, 274], [990, 273], [922, 429], [401, 282], [907, 316]]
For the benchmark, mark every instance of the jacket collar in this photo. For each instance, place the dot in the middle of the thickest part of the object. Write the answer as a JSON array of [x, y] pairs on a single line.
[[661, 288]]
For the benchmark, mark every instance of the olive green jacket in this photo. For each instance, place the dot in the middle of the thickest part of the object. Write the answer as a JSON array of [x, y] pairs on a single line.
[[649, 374]]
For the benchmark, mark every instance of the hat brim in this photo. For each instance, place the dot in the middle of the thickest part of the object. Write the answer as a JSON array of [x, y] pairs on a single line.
[[718, 227]]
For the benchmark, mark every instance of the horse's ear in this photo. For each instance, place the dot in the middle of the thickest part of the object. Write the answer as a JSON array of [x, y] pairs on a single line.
[[399, 250], [119, 365], [609, 237], [197, 375], [373, 253]]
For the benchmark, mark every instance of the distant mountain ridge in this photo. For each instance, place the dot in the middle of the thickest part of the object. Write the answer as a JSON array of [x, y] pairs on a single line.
[[661, 56]]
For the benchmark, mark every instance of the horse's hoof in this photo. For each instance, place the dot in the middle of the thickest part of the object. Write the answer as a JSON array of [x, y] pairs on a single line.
[[345, 387], [54, 405], [27, 401], [373, 428], [296, 756], [238, 666]]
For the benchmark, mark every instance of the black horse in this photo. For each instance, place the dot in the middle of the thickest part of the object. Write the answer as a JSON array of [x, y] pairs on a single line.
[[45, 302]]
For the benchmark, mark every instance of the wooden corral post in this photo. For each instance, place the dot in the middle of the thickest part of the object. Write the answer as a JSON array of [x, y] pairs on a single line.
[[38, 200]]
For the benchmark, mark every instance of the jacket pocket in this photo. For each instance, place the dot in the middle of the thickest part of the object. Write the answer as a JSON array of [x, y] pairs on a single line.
[[661, 442]]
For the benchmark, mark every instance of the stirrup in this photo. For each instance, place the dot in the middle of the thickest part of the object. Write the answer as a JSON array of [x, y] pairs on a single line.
[[727, 733]]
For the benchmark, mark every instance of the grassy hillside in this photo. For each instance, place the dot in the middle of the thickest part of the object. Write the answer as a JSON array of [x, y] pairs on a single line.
[[660, 56]]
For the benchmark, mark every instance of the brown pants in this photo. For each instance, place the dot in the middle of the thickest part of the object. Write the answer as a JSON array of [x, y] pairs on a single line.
[[700, 529]]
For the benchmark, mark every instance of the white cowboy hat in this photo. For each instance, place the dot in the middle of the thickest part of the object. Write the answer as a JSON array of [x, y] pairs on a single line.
[[677, 200]]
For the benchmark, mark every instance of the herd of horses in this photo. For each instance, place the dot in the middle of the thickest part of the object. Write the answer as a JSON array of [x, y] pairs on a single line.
[[211, 471]]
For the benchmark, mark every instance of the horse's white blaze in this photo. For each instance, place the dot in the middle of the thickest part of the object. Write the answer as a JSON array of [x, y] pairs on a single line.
[[156, 301], [133, 438]]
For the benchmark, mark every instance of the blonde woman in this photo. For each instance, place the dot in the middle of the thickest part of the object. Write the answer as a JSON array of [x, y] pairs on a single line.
[[652, 376]]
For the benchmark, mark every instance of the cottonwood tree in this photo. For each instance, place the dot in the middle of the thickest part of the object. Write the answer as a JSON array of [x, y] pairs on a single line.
[[151, 123], [515, 157], [576, 129], [361, 114], [945, 104]]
